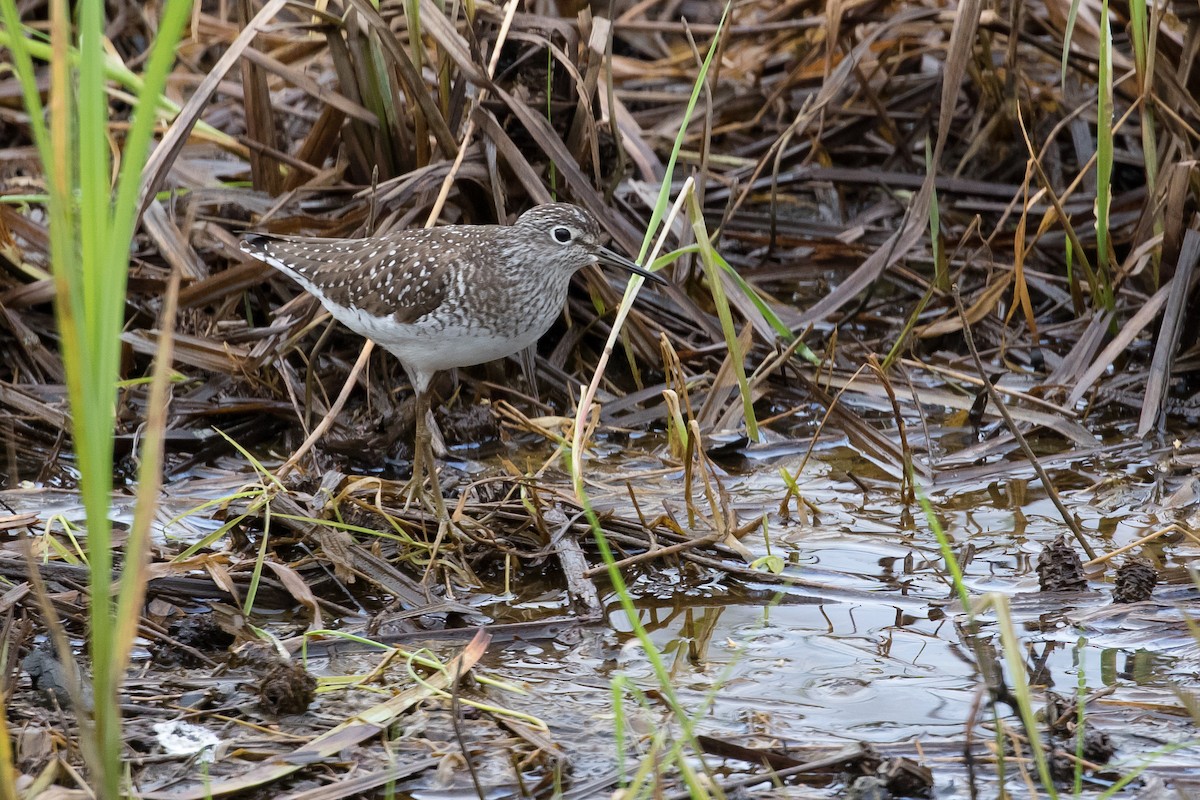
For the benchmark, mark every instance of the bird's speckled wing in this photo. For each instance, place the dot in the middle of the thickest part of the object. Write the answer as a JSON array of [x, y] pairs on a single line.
[[405, 274]]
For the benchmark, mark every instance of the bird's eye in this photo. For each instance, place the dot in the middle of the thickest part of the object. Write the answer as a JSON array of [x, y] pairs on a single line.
[[562, 235]]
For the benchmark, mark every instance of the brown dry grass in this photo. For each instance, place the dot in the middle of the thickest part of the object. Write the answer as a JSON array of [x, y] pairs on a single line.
[[808, 148], [809, 154]]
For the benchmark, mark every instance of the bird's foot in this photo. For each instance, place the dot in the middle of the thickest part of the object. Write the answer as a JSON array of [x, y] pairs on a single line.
[[426, 494], [414, 492], [418, 494]]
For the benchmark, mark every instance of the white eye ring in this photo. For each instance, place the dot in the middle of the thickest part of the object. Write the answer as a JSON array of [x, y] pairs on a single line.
[[561, 234]]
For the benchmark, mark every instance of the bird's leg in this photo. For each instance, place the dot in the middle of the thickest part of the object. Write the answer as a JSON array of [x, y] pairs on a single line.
[[423, 462], [416, 484]]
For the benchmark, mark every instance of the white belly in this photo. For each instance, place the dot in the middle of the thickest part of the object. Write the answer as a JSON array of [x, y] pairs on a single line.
[[432, 350]]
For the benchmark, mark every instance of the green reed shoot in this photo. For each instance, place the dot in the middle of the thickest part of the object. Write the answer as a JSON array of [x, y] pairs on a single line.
[[1104, 161], [1143, 36], [721, 302], [675, 757], [91, 229], [1081, 710], [1013, 650]]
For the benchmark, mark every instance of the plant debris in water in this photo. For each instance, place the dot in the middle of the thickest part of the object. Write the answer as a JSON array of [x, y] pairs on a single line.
[[914, 300]]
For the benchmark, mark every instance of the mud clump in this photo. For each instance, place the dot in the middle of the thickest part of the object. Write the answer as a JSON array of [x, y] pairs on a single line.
[[472, 425], [286, 689], [200, 633], [1059, 568], [1135, 581]]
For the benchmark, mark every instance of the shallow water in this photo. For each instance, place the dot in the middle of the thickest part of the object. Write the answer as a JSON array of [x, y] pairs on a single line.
[[870, 649], [889, 665]]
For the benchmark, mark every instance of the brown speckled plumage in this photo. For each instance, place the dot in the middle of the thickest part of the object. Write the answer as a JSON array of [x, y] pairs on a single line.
[[451, 296]]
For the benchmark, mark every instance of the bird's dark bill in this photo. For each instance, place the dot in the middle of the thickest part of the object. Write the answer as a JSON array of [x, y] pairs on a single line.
[[611, 259]]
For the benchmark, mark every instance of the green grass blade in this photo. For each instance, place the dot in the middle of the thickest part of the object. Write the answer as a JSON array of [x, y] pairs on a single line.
[[1072, 16], [1013, 652], [22, 50], [89, 250], [941, 272], [664, 193], [1143, 37], [98, 325], [736, 356], [114, 70], [141, 128], [1102, 293], [956, 574]]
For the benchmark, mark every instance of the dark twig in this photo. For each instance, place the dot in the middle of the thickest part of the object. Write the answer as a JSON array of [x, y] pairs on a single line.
[[1012, 427]]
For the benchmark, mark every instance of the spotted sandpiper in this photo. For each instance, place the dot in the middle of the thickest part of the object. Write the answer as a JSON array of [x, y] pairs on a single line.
[[447, 297]]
